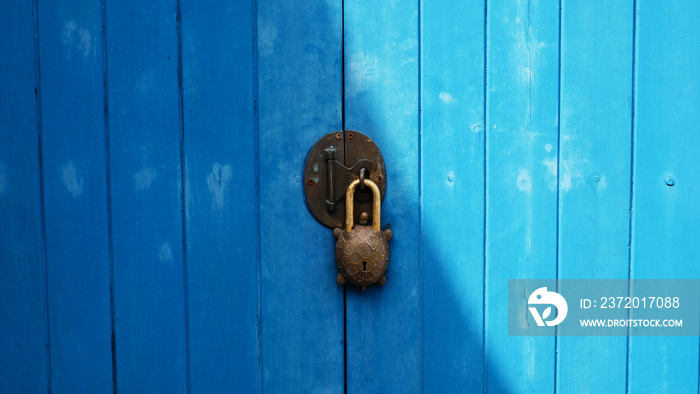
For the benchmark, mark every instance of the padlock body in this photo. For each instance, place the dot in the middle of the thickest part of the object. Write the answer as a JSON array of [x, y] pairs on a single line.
[[362, 255]]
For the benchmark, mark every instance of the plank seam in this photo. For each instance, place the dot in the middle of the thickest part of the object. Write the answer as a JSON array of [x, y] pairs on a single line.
[[108, 181], [342, 109], [342, 70], [558, 206], [44, 255], [420, 197], [256, 147], [183, 204], [633, 126], [486, 190]]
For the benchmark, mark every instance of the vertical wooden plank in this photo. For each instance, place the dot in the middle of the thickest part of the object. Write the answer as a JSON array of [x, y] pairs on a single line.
[[521, 160], [300, 71], [596, 124], [452, 181], [75, 195], [666, 181], [381, 100], [145, 133], [220, 149], [23, 331]]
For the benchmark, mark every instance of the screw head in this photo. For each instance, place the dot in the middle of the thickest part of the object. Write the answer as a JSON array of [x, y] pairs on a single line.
[[670, 181], [338, 136], [364, 218], [351, 135], [310, 181]]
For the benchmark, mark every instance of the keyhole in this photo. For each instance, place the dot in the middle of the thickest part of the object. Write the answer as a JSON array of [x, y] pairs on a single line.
[[364, 266]]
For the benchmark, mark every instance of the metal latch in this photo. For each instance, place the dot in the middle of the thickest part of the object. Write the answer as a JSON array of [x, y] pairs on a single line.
[[335, 161]]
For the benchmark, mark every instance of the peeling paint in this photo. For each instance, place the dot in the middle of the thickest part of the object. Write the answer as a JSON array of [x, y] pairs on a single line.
[[79, 38], [144, 178], [73, 184], [165, 253], [362, 72], [552, 172], [267, 37], [217, 182], [446, 97], [524, 181]]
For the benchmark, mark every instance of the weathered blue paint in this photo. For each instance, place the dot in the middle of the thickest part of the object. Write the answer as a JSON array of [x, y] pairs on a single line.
[[153, 232], [24, 359], [665, 230], [300, 99], [594, 175], [381, 100], [219, 126], [145, 134], [522, 49], [75, 195], [452, 184]]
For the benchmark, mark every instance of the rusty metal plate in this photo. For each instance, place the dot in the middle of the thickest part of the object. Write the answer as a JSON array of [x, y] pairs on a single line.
[[348, 152]]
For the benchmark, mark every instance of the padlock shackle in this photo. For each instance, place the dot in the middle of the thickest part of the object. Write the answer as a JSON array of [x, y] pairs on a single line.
[[350, 210]]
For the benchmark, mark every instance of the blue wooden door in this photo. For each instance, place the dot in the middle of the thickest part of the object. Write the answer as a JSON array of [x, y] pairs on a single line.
[[153, 230]]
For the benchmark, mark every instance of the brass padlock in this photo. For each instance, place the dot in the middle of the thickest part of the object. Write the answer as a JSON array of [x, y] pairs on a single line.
[[362, 252]]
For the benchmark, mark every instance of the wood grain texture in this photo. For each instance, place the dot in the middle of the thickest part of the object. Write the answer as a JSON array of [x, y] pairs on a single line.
[[381, 100], [24, 357], [665, 221], [300, 100], [521, 183], [452, 184], [145, 170], [594, 175], [221, 232]]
